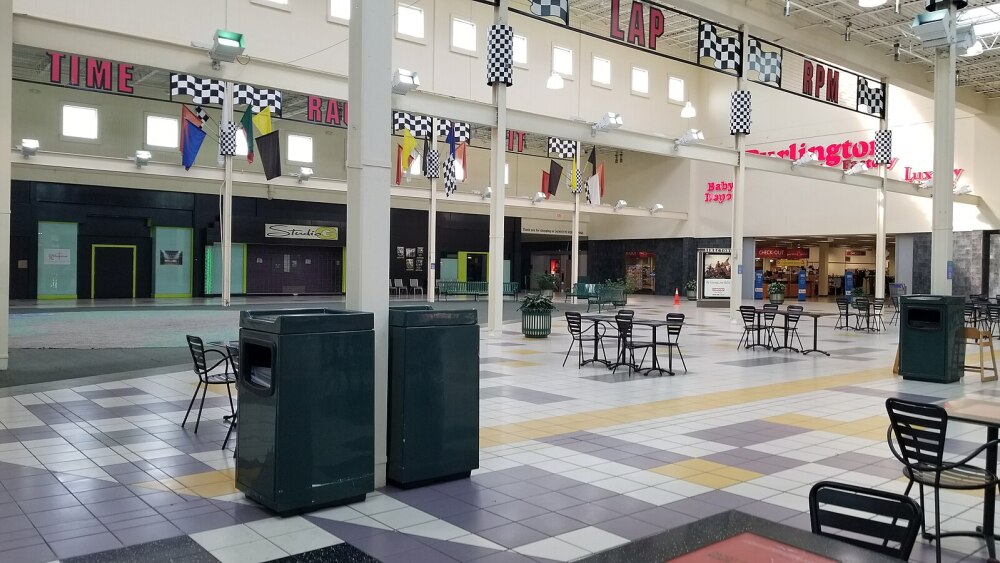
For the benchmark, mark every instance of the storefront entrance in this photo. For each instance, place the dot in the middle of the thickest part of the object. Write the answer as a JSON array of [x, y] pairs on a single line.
[[112, 271], [285, 269], [640, 270]]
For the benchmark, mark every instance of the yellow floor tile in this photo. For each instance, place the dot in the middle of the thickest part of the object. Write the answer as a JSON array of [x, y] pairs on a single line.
[[702, 465], [737, 473], [206, 478], [213, 490], [676, 470], [711, 480]]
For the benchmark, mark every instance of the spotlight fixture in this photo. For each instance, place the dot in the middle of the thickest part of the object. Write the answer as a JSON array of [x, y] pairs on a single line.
[[688, 111], [226, 46], [691, 137], [871, 3], [404, 81], [304, 174], [142, 158], [28, 147], [487, 193], [975, 49], [555, 82], [539, 197], [788, 8], [621, 204], [858, 168], [608, 121], [806, 160], [926, 184], [962, 190], [655, 209]]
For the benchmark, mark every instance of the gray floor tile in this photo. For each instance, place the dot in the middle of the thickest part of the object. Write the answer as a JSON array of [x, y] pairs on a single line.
[[85, 545], [39, 553], [758, 362], [512, 535], [476, 520], [517, 510], [553, 524]]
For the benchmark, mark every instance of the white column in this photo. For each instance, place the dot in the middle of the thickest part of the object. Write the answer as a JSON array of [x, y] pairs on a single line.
[[6, 104], [736, 244], [368, 178], [575, 244], [880, 237], [432, 220], [498, 156], [823, 271], [944, 164], [227, 206]]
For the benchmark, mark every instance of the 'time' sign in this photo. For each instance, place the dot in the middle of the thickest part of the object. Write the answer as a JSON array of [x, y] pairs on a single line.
[[820, 82]]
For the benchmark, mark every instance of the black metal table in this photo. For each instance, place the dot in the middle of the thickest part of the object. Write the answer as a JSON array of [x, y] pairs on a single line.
[[652, 323], [785, 313], [596, 320], [982, 413]]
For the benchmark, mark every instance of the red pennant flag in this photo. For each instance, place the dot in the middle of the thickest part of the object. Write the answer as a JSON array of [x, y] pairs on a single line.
[[600, 175], [545, 184], [460, 155], [399, 164]]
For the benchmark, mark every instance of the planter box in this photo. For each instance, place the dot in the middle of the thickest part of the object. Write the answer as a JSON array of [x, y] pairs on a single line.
[[692, 295], [536, 324], [777, 298]]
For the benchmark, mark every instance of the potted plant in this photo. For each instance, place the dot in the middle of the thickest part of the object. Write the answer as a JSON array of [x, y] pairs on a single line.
[[691, 288], [776, 292], [619, 288], [536, 315], [547, 284]]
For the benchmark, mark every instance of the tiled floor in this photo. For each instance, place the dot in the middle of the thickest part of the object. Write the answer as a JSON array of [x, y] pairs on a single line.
[[572, 461]]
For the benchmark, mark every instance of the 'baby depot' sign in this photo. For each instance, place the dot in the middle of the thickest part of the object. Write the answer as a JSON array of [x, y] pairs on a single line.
[[719, 192]]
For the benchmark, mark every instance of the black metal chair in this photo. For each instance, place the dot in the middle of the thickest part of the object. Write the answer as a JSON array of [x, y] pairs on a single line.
[[862, 306], [749, 315], [895, 309], [673, 335], [919, 430], [205, 377], [971, 314], [993, 319], [861, 520], [843, 313], [769, 322], [575, 325], [611, 328], [234, 360], [627, 346], [877, 305], [793, 324]]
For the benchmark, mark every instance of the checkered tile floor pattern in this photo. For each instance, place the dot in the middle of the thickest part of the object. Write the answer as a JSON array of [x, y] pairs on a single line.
[[572, 461]]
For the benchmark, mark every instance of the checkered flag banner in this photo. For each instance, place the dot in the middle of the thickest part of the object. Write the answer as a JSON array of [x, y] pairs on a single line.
[[873, 99], [418, 125], [450, 181], [739, 112], [201, 90], [562, 148], [767, 64], [227, 138], [579, 181], [725, 51], [557, 8], [433, 164], [201, 113], [500, 55], [259, 98], [463, 130], [883, 147]]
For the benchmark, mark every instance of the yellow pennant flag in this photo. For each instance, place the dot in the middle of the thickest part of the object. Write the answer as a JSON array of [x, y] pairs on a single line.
[[263, 121], [409, 146]]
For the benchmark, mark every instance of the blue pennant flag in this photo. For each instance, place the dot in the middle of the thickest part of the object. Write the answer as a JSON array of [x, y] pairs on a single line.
[[191, 139]]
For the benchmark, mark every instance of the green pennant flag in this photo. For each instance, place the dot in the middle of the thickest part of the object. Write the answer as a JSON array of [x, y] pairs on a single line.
[[247, 123]]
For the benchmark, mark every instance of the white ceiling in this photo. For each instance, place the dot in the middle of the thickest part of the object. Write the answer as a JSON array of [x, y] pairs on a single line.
[[882, 28]]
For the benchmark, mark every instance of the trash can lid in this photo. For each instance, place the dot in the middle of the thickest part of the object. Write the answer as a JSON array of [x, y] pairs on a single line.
[[932, 299], [301, 321], [429, 317]]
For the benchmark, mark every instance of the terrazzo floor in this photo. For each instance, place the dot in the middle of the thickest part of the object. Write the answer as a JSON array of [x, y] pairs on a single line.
[[573, 461]]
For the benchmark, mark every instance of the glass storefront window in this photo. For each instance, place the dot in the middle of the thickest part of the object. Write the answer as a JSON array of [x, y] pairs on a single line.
[[57, 260]]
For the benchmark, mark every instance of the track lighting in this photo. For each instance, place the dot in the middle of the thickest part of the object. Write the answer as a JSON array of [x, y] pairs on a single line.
[[304, 174], [539, 197], [806, 160], [142, 158], [404, 81], [691, 137], [487, 193], [858, 168], [655, 209], [28, 147], [621, 204]]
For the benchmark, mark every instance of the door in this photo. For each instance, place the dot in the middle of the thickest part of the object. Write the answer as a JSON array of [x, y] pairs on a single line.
[[292, 270], [476, 268], [112, 271]]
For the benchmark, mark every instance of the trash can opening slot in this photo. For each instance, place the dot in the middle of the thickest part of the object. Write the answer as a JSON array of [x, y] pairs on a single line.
[[923, 318]]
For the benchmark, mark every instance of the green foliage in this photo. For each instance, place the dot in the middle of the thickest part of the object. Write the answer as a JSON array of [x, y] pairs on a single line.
[[621, 283], [776, 287], [547, 281], [534, 303], [691, 286], [858, 292]]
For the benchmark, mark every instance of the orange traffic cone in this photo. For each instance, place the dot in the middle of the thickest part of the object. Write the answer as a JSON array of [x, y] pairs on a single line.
[[677, 297]]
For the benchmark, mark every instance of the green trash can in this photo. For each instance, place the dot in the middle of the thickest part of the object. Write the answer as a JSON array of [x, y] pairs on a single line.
[[931, 338], [433, 427], [306, 408]]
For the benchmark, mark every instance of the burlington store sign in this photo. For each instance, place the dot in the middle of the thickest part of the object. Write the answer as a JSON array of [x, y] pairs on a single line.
[[848, 153]]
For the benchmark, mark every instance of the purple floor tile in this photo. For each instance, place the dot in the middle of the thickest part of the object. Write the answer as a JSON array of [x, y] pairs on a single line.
[[48, 503], [423, 554], [126, 523], [386, 544], [131, 515], [39, 553], [204, 522], [637, 449], [624, 504], [493, 479], [526, 472], [724, 499], [640, 462], [105, 494], [512, 535], [630, 528], [183, 470], [117, 506], [555, 482], [457, 488], [38, 492], [554, 501], [484, 498], [86, 484], [696, 508], [590, 513], [444, 507], [50, 517], [663, 517], [18, 539], [769, 511], [70, 530], [10, 509], [345, 531], [521, 490], [414, 497], [85, 545], [587, 492], [506, 557], [553, 524], [29, 481], [458, 551], [476, 520], [517, 510], [143, 534]]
